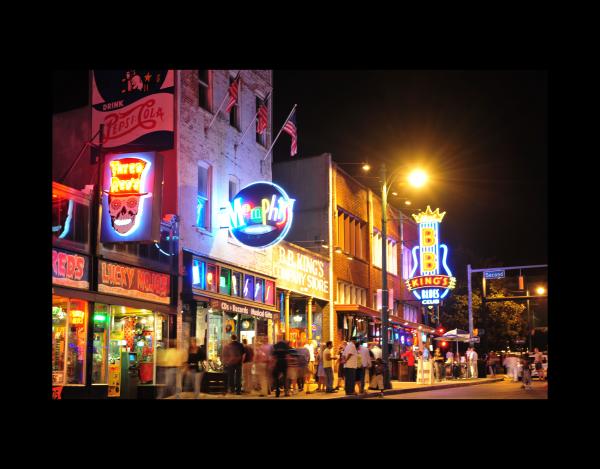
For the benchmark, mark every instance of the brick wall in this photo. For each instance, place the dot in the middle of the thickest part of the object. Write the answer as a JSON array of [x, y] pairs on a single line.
[[217, 148]]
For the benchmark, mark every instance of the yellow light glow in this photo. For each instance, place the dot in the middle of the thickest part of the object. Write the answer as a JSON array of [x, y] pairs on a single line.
[[429, 216], [394, 193], [540, 290], [407, 202], [417, 178], [366, 167]]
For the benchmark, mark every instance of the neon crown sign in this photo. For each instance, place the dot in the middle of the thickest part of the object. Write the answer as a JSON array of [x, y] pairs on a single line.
[[260, 215], [435, 279]]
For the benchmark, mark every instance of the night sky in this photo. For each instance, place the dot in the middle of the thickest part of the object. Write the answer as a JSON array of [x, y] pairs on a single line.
[[481, 135]]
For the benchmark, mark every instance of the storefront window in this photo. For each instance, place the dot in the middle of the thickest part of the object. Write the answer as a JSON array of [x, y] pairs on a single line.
[[215, 335], [236, 284], [249, 287], [199, 274], [101, 322], [76, 340], [259, 290], [225, 281], [211, 277], [269, 292], [59, 338], [247, 329]]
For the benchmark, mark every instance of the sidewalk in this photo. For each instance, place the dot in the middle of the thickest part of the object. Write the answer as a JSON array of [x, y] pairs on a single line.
[[398, 387]]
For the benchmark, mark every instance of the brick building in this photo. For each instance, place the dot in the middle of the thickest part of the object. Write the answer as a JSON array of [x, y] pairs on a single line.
[[345, 220]]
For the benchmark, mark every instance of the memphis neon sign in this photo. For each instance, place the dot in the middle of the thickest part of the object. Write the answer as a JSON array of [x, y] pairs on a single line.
[[435, 279], [260, 215]]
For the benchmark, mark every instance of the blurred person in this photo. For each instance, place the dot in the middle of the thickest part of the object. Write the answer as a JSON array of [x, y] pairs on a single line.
[[173, 361], [247, 362], [474, 372], [232, 360], [303, 370], [321, 379], [378, 369], [350, 363], [328, 359], [438, 361], [280, 352], [525, 362], [364, 366], [310, 346], [490, 363], [410, 362], [376, 350], [292, 370], [340, 370], [194, 369], [538, 361], [261, 363], [511, 365]]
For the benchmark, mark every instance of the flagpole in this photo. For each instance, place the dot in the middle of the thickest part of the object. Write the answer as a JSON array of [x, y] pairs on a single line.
[[206, 129], [253, 120], [280, 130]]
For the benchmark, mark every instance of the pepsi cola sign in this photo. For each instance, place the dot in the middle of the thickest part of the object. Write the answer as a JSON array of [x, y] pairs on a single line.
[[260, 215]]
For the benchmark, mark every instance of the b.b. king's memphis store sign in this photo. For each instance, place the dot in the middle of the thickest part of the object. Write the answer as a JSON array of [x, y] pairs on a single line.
[[260, 215], [435, 280]]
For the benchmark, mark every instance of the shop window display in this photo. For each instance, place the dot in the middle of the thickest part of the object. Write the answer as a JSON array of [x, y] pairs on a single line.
[[225, 281], [211, 277], [249, 287], [101, 321], [259, 289], [269, 292], [69, 319], [236, 284]]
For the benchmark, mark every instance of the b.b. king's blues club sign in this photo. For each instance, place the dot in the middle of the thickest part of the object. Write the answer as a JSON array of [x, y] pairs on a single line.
[[435, 279]]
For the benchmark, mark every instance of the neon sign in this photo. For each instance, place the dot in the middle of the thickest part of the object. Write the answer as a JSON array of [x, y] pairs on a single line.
[[131, 210], [260, 215], [435, 279]]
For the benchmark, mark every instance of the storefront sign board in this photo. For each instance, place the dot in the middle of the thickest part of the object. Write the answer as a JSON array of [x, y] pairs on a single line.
[[133, 282], [70, 269], [301, 272], [242, 309]]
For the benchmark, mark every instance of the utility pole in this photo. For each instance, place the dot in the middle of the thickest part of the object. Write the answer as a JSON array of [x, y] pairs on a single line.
[[384, 290]]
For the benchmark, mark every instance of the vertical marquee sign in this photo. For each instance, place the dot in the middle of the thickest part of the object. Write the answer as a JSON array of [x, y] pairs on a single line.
[[135, 106], [435, 280], [131, 198]]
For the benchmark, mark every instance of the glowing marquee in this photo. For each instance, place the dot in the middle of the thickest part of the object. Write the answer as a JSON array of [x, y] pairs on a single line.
[[260, 215], [435, 280]]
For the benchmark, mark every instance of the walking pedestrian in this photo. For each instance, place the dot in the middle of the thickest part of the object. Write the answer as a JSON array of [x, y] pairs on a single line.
[[438, 361], [328, 359], [378, 366], [292, 371], [321, 379], [261, 364], [511, 365], [363, 365], [232, 359], [350, 364], [474, 372], [526, 373], [538, 363], [193, 370], [303, 354], [491, 363], [281, 350], [340, 372], [247, 363], [310, 346]]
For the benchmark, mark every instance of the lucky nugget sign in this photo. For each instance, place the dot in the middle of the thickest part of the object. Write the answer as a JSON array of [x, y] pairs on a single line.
[[135, 106]]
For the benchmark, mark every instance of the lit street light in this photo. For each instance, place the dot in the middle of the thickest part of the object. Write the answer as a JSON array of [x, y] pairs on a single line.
[[417, 178], [540, 290]]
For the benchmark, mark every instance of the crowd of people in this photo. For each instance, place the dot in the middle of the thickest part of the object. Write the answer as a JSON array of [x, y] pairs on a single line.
[[263, 369]]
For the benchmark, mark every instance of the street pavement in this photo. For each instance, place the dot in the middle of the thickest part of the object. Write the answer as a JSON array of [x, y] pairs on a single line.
[[413, 389], [498, 390]]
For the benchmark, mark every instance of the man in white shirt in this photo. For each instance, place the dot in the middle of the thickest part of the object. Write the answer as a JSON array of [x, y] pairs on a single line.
[[365, 362], [468, 358], [512, 369], [377, 352], [350, 363], [311, 362], [473, 363]]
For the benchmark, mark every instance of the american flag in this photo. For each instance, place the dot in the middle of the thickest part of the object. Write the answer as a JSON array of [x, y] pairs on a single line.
[[233, 94], [263, 116], [290, 128]]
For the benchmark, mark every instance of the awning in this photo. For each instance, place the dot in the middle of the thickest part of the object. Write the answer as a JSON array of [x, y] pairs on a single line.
[[113, 300], [413, 325], [358, 309]]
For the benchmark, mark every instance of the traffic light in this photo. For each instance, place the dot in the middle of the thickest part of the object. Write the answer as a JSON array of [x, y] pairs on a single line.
[[444, 343], [475, 332], [441, 330]]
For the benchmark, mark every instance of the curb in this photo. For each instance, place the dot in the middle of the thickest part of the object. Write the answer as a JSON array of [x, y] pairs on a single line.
[[425, 388]]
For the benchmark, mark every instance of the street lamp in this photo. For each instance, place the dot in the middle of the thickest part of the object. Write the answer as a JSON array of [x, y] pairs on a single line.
[[540, 290], [417, 178]]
